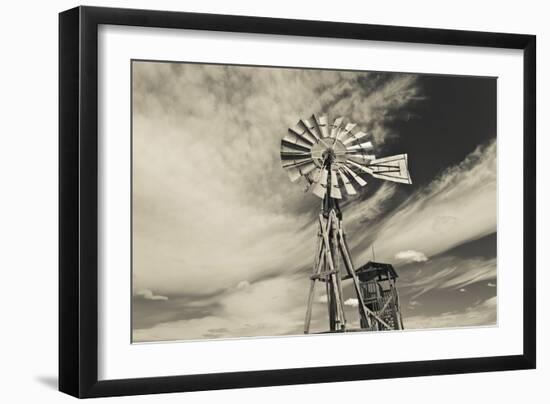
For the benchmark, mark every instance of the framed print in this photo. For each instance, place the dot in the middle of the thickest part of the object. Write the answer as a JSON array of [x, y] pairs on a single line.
[[251, 201]]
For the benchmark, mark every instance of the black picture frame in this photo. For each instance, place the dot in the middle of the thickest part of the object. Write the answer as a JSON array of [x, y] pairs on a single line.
[[78, 201]]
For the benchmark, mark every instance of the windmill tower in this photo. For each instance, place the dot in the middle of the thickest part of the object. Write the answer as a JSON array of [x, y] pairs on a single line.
[[329, 156]]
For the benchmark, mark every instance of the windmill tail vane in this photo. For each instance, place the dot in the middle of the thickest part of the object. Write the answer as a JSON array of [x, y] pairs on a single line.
[[333, 158]]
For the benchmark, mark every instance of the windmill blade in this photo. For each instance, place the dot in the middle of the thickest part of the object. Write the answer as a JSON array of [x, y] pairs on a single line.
[[293, 174], [392, 159], [302, 170], [352, 137], [307, 168], [293, 147], [347, 183], [358, 153], [357, 179], [302, 131], [312, 129], [364, 159], [393, 168], [365, 145], [320, 187], [344, 133], [334, 186], [297, 162], [294, 138], [322, 125], [295, 169], [313, 176], [365, 169], [294, 155], [335, 127]]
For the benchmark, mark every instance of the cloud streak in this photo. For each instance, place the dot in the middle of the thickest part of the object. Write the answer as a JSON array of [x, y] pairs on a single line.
[[148, 295], [484, 313], [352, 302], [448, 273], [267, 308], [411, 256]]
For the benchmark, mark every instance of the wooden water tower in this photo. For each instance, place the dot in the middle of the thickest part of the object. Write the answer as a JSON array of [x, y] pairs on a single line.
[[377, 283]]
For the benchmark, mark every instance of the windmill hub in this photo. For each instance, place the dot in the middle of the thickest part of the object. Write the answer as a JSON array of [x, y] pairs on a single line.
[[329, 156], [328, 151]]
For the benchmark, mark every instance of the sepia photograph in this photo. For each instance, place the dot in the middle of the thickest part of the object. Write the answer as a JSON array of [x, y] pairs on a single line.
[[280, 201]]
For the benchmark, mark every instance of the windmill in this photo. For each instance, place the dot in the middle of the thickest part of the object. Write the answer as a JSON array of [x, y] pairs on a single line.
[[332, 158]]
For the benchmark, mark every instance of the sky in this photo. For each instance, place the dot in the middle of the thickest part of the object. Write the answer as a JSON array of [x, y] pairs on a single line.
[[223, 242]]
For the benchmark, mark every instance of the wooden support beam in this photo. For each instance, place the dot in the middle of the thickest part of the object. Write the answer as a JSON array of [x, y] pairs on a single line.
[[338, 300], [317, 264], [309, 306], [388, 300], [351, 271], [322, 275]]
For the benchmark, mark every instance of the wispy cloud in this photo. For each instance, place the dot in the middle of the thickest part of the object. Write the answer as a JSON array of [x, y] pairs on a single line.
[[271, 307], [376, 102], [371, 208], [448, 273], [147, 294], [243, 285], [352, 302], [483, 313], [411, 256], [413, 303]]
